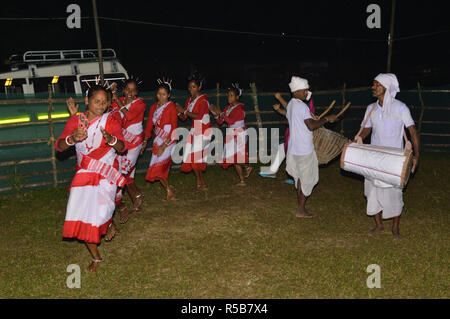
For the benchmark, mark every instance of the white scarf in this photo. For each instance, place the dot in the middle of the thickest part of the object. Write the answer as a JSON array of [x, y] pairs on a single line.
[[390, 82]]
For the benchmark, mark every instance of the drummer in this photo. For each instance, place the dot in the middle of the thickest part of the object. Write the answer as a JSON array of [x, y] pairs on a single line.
[[386, 128], [301, 159]]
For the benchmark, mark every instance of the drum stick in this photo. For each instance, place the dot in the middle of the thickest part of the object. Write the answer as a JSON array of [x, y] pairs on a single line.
[[327, 110], [343, 110]]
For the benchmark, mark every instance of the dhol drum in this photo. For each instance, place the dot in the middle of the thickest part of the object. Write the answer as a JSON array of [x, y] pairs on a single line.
[[328, 144], [389, 165]]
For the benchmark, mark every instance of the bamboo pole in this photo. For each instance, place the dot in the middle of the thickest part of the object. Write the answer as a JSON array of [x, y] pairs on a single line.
[[391, 38], [343, 105], [99, 42], [422, 108], [52, 135], [262, 142]]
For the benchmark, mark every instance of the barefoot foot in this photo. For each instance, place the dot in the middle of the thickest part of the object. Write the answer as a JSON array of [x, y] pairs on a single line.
[[95, 263], [112, 231], [303, 213], [376, 230], [241, 184]]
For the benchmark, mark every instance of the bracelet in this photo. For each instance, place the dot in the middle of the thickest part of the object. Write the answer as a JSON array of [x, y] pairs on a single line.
[[67, 142], [185, 111], [115, 142], [123, 107]]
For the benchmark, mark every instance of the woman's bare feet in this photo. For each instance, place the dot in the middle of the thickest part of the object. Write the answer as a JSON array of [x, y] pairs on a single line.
[[247, 171], [138, 200], [124, 213], [112, 231], [241, 184], [170, 195], [95, 263]]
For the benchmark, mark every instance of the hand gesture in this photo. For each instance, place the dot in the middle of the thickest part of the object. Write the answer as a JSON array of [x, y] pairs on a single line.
[[278, 96], [108, 137], [415, 163], [332, 118], [215, 110], [161, 149], [144, 146], [73, 110], [113, 88], [276, 107], [180, 109], [79, 134]]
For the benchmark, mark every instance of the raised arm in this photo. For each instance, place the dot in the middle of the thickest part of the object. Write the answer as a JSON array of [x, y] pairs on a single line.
[[281, 100]]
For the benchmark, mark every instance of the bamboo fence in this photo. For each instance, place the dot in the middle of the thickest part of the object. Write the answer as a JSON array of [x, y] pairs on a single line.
[[254, 94]]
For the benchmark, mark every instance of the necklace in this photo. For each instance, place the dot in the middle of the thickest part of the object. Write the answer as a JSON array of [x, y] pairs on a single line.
[[93, 136]]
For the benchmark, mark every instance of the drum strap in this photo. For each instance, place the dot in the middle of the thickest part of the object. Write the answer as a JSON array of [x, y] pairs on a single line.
[[408, 145]]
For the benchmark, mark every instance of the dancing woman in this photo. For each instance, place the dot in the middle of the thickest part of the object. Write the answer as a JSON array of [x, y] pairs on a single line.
[[130, 109], [97, 136], [162, 122], [199, 138], [235, 149]]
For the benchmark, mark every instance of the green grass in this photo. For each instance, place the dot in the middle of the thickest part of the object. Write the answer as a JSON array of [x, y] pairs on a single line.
[[237, 243]]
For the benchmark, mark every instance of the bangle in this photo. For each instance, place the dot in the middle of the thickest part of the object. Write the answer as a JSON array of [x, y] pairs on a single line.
[[185, 111], [115, 142], [123, 107], [67, 142]]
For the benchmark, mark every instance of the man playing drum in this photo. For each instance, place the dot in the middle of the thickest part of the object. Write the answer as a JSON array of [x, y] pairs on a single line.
[[385, 120], [301, 159]]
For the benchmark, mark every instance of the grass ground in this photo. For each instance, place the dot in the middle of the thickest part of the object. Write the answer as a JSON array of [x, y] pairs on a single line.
[[237, 242]]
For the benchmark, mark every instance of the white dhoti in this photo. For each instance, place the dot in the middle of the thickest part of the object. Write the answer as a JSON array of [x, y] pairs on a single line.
[[305, 168], [386, 199]]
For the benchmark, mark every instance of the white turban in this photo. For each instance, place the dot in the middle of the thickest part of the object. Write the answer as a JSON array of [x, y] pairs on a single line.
[[390, 83], [298, 83]]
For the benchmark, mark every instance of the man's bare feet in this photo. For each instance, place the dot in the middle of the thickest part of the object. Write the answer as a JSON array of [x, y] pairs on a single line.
[[111, 232], [396, 234], [304, 213], [241, 184], [376, 230]]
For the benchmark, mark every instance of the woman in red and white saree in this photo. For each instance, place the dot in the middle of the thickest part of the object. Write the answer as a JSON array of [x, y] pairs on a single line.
[[97, 137], [235, 148], [199, 138], [130, 109], [162, 121]]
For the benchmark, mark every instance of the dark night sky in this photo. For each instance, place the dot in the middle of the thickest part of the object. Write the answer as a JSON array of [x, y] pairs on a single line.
[[150, 51]]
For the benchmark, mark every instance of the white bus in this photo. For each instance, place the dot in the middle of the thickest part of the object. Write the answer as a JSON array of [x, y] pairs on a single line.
[[66, 70]]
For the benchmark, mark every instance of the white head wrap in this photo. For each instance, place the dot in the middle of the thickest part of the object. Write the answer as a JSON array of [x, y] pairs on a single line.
[[298, 83], [390, 82]]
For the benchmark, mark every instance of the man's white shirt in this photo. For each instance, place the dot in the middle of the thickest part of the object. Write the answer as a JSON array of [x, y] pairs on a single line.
[[300, 137], [388, 131]]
